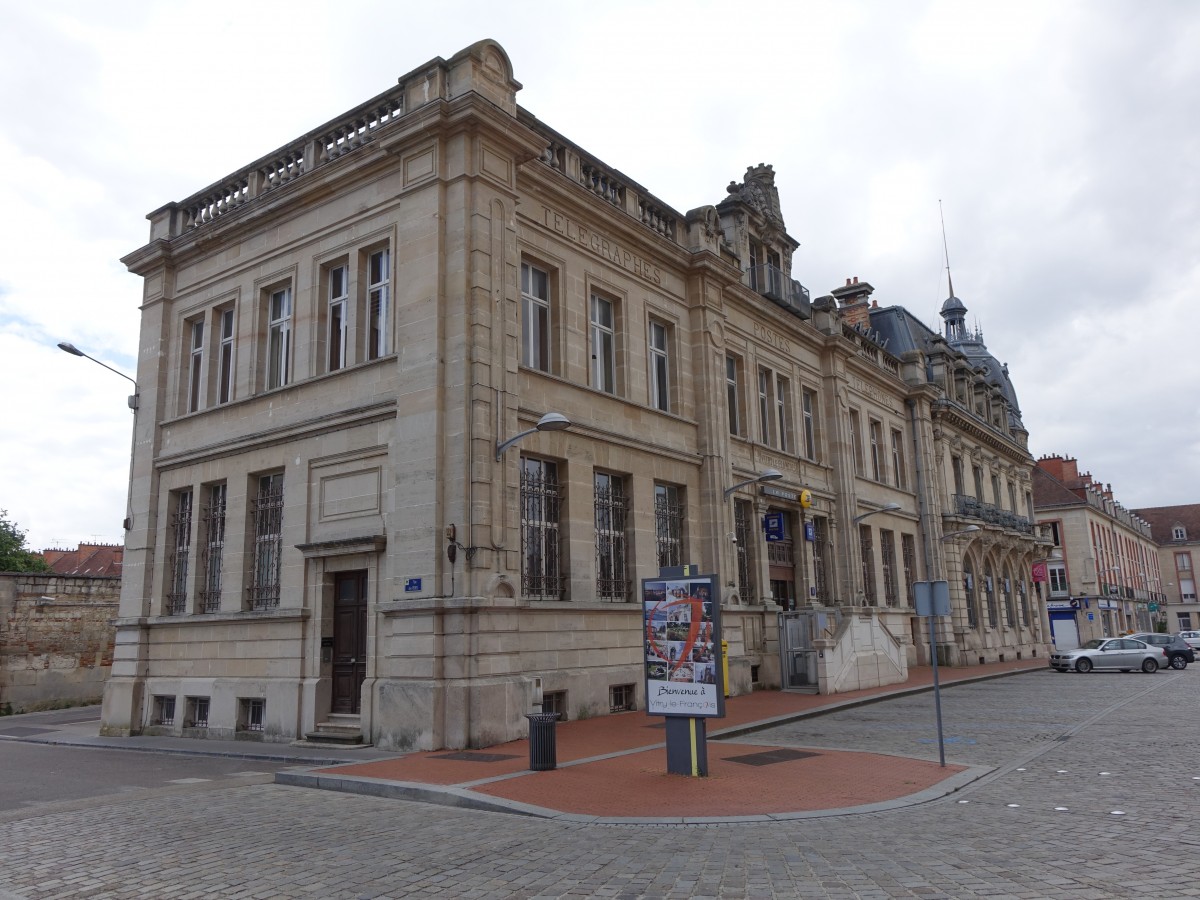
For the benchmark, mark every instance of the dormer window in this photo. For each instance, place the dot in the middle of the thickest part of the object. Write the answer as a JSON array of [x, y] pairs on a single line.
[[1179, 533]]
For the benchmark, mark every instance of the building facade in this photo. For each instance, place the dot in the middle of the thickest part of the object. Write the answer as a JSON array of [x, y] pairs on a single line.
[[428, 391], [1102, 572], [1176, 533]]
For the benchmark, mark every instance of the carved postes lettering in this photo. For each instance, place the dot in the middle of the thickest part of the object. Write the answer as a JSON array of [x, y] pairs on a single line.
[[776, 340], [602, 246]]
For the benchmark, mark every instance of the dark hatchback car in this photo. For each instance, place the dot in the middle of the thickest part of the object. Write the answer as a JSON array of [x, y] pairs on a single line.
[[1179, 653]]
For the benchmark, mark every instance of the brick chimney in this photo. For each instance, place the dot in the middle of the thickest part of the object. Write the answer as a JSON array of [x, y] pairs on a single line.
[[853, 302]]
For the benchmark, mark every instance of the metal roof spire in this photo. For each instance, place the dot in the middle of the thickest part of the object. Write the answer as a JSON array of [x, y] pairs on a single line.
[[945, 248]]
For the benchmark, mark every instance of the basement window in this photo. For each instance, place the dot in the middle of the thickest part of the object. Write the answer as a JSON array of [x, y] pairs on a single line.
[[555, 702], [164, 710], [196, 715], [622, 698], [250, 714]]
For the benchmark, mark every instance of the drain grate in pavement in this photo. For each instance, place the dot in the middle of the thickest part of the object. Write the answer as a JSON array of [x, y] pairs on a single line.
[[25, 731], [770, 757], [468, 756]]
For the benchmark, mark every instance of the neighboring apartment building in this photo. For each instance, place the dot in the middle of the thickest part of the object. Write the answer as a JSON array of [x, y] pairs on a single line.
[[1176, 532], [1102, 575], [345, 512]]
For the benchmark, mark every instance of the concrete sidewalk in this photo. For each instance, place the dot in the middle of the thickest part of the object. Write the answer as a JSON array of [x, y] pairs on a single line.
[[613, 768]]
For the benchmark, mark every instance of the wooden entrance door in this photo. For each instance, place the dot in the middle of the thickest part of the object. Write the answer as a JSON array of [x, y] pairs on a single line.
[[349, 639]]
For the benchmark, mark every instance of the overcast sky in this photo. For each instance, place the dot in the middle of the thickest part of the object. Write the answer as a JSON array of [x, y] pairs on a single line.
[[1061, 138]]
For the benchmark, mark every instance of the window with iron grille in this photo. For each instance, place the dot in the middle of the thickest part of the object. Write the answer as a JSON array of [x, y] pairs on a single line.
[[821, 558], [541, 501], [1023, 592], [668, 524], [908, 553], [622, 698], [181, 547], [266, 509], [887, 550], [868, 564], [969, 591], [212, 549], [196, 715], [250, 714], [1010, 609], [741, 525], [164, 710], [989, 593], [612, 507]]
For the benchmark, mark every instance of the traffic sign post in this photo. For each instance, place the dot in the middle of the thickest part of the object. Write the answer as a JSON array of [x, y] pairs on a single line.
[[932, 599]]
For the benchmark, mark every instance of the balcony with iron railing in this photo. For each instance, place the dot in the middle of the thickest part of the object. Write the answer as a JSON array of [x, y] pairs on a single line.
[[974, 508], [770, 281]]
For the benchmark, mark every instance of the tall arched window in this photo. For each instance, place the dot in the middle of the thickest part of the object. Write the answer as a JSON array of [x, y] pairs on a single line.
[[969, 591], [1010, 611], [989, 593]]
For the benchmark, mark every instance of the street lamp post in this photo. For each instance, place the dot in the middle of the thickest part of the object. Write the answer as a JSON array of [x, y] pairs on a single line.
[[133, 406]]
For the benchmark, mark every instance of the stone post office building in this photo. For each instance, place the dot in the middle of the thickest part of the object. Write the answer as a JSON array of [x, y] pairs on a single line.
[[334, 530]]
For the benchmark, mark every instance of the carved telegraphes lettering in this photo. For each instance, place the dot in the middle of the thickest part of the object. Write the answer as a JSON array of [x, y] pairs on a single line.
[[602, 246], [880, 397]]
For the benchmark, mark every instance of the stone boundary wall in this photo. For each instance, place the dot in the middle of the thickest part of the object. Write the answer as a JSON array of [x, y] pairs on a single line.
[[56, 639]]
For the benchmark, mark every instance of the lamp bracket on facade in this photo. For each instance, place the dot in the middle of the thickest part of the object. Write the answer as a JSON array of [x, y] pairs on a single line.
[[551, 421], [887, 507], [764, 475], [970, 529]]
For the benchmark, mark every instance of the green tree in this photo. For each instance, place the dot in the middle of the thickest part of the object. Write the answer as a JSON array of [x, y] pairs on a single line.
[[14, 555]]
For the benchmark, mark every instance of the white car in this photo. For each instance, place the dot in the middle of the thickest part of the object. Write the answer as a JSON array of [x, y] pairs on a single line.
[[1192, 638], [1125, 654]]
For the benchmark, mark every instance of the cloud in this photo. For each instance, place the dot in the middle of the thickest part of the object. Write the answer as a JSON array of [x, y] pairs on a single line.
[[1061, 139]]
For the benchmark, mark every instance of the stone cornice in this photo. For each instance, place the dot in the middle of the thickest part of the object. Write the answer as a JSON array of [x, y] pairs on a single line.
[[302, 429]]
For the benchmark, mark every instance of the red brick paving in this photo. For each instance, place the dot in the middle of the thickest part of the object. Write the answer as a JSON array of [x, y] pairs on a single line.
[[637, 784]]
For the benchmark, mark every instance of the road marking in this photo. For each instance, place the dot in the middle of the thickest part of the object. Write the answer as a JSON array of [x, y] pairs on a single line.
[[188, 780]]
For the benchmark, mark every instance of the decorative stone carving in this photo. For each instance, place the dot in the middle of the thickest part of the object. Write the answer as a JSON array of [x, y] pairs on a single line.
[[758, 191]]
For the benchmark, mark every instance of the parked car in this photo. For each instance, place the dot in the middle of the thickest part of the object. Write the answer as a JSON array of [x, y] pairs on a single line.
[[1125, 654], [1192, 638], [1179, 654]]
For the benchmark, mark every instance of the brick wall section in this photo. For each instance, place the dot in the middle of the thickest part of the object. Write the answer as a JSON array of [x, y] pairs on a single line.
[[56, 638]]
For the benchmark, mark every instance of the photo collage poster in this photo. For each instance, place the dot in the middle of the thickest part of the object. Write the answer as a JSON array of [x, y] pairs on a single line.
[[683, 647]]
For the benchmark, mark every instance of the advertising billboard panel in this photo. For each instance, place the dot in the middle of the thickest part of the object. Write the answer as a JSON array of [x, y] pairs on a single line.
[[682, 635]]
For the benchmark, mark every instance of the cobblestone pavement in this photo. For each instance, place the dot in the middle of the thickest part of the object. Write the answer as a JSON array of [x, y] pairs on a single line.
[[1092, 796]]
